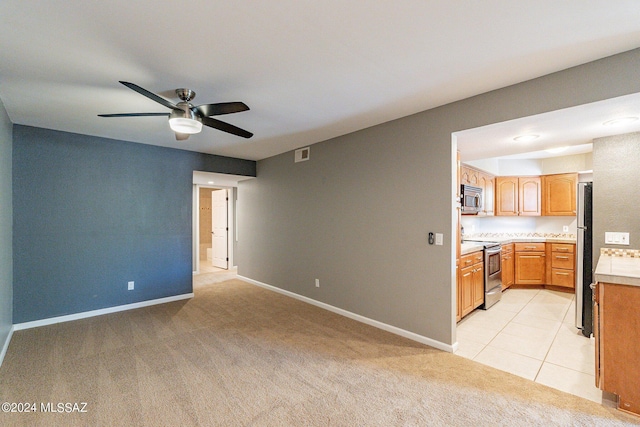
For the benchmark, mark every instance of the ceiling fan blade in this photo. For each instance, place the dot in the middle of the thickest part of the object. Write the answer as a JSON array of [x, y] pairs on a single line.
[[135, 115], [149, 95], [226, 127], [181, 136], [208, 110]]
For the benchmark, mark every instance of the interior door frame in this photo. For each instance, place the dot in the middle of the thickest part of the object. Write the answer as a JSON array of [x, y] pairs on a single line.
[[219, 199], [231, 235]]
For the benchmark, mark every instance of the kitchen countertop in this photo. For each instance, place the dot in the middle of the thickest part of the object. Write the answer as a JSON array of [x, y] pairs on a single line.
[[506, 238], [622, 270]]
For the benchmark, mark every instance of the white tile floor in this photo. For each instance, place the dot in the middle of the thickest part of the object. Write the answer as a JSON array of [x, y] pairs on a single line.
[[531, 333]]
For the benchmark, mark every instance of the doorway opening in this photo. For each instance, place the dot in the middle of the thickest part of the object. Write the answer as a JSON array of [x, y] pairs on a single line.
[[213, 229], [223, 214]]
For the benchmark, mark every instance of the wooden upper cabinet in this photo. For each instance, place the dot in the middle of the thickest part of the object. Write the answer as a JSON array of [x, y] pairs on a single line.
[[518, 196], [483, 180], [559, 194], [469, 176], [529, 193], [506, 195], [487, 183]]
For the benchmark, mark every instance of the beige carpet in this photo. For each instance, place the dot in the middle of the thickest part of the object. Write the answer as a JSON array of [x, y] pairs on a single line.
[[239, 355]]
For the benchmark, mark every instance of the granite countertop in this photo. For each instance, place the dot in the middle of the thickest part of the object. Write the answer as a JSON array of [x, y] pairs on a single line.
[[506, 238], [618, 269]]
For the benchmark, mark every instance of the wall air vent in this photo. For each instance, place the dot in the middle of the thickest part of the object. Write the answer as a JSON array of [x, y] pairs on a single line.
[[302, 154]]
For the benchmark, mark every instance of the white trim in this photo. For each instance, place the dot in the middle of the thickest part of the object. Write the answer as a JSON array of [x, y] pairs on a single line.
[[100, 312], [195, 228], [5, 347], [385, 327]]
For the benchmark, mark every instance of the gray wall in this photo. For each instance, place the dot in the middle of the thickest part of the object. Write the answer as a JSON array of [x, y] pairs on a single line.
[[6, 228], [357, 214], [91, 214], [616, 174]]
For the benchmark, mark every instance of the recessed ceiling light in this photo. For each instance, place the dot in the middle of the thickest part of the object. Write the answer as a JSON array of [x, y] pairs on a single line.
[[620, 121], [556, 150], [526, 138], [210, 182]]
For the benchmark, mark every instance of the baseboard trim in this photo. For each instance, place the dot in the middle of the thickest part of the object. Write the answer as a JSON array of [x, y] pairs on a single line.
[[100, 312], [385, 327], [5, 346]]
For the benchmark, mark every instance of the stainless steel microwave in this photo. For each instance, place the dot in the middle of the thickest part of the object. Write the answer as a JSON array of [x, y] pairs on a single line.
[[470, 199]]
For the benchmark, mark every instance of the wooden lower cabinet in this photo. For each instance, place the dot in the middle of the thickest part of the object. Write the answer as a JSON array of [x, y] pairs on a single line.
[[478, 285], [530, 264], [470, 284], [466, 290], [458, 293], [562, 265], [617, 334], [507, 266]]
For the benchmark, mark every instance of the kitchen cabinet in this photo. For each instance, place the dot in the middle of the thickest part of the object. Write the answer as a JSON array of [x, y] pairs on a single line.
[[487, 183], [471, 282], [458, 293], [529, 196], [518, 196], [530, 263], [507, 266], [483, 180], [469, 176], [559, 194], [562, 265], [617, 333]]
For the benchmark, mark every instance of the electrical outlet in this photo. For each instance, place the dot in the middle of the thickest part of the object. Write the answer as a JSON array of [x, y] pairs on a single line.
[[317, 283], [624, 238], [130, 286], [565, 228]]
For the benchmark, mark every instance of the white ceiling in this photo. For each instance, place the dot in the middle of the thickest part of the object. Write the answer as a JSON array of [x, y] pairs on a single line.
[[573, 128], [309, 71]]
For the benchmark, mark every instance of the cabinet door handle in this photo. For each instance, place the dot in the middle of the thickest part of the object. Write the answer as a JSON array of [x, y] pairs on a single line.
[[562, 249], [530, 247], [561, 257], [562, 274]]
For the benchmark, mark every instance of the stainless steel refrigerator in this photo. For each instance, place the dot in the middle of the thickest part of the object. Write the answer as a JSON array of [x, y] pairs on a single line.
[[584, 264]]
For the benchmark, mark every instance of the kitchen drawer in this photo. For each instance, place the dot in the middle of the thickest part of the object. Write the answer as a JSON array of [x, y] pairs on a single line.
[[530, 247], [564, 278], [471, 259], [562, 247], [562, 260], [507, 248]]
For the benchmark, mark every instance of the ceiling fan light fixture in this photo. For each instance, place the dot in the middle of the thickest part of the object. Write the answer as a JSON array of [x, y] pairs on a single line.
[[184, 121]]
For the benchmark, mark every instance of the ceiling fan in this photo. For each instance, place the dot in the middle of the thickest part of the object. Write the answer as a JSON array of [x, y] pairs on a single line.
[[186, 119]]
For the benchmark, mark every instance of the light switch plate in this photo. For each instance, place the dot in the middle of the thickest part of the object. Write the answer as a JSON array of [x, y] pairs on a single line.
[[616, 238], [439, 238]]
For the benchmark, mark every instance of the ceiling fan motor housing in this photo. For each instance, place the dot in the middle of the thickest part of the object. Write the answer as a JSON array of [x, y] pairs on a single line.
[[185, 94]]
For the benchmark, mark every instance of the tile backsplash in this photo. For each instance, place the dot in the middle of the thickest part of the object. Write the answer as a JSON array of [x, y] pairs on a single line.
[[624, 253], [519, 235]]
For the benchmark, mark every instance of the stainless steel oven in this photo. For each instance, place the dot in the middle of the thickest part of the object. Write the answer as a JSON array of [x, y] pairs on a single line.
[[492, 274]]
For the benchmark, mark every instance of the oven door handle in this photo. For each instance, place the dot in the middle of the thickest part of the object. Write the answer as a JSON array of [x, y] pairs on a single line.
[[490, 251]]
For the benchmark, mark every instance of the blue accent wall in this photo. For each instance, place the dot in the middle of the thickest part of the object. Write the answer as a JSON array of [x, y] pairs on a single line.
[[91, 214], [6, 229]]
